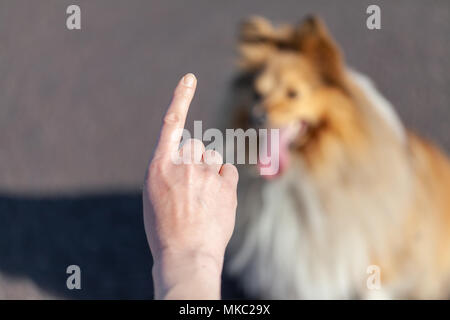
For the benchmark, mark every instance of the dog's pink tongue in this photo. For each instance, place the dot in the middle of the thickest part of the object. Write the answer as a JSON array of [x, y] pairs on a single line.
[[267, 161]]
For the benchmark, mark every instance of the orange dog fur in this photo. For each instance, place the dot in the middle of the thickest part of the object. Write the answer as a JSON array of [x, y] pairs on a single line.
[[358, 189]]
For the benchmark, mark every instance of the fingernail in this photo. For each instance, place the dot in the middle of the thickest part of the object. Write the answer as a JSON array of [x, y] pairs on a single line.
[[189, 80]]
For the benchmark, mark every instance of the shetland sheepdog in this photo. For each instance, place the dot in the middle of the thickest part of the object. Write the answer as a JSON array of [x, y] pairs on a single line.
[[356, 193]]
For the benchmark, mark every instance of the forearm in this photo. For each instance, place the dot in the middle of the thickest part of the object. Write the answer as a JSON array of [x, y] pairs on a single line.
[[193, 277]]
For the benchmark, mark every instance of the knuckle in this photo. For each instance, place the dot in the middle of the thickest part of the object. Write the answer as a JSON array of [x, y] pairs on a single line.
[[211, 173], [172, 118], [196, 141], [197, 146], [213, 157], [192, 149]]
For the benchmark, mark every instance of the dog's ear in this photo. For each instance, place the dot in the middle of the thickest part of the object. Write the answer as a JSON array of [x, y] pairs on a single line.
[[259, 40], [315, 43]]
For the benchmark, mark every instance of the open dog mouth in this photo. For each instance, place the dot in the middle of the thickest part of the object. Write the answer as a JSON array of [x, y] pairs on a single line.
[[276, 149]]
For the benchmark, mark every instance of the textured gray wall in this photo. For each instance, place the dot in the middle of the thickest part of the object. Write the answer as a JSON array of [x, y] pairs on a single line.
[[80, 111]]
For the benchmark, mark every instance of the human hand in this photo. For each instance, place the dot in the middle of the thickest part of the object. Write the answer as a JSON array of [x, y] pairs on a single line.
[[194, 204]]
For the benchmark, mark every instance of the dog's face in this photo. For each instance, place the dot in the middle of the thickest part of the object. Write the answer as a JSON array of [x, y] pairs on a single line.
[[283, 91], [298, 84]]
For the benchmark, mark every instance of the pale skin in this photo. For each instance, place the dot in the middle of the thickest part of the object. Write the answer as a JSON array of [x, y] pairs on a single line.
[[194, 208]]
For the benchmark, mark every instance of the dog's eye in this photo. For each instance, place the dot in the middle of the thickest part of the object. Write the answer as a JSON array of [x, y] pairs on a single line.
[[291, 93], [257, 96]]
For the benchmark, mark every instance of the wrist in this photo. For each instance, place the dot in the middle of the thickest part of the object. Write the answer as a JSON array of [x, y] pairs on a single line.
[[193, 275]]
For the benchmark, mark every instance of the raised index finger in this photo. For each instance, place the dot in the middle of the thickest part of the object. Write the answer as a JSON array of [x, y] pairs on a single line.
[[175, 117]]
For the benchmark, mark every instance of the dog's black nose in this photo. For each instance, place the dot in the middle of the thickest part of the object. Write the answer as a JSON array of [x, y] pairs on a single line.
[[258, 117]]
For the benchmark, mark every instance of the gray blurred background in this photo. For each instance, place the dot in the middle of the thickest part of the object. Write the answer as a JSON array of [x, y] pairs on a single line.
[[80, 113]]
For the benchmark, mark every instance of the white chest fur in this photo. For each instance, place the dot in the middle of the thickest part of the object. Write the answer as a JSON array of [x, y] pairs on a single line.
[[287, 248]]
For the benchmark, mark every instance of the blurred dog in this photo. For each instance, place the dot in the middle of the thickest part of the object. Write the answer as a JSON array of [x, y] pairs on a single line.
[[354, 188]]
